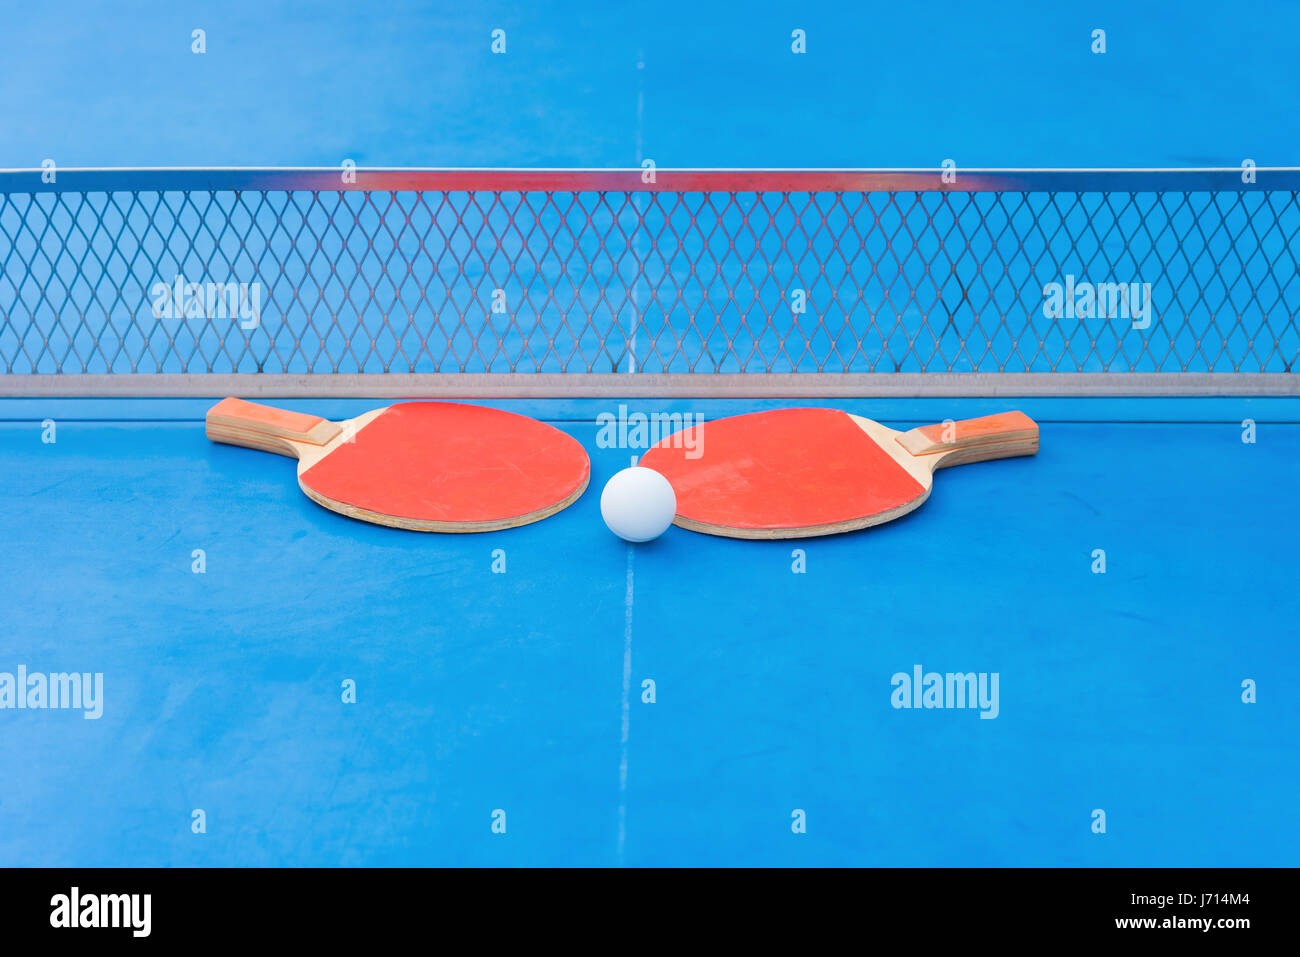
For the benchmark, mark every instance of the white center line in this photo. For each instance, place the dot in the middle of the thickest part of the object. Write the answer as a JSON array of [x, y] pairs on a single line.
[[627, 713]]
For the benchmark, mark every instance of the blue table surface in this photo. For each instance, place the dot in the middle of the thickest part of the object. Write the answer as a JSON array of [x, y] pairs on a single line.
[[479, 691], [522, 692]]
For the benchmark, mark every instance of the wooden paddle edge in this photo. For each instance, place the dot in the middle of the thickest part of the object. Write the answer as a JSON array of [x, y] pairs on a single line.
[[425, 525], [810, 531]]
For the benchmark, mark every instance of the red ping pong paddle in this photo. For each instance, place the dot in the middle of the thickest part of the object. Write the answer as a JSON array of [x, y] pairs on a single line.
[[426, 466], [796, 473]]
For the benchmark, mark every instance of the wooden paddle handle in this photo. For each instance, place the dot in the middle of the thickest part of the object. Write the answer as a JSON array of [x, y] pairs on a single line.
[[974, 440], [253, 426]]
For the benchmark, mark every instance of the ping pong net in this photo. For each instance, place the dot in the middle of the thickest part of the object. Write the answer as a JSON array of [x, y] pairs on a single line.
[[703, 283]]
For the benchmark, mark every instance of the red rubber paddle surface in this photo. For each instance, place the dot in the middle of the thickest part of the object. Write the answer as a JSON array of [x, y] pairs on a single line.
[[444, 462], [787, 469]]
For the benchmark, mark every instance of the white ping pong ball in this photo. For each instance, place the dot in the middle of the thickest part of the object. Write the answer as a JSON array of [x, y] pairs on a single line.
[[638, 504]]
